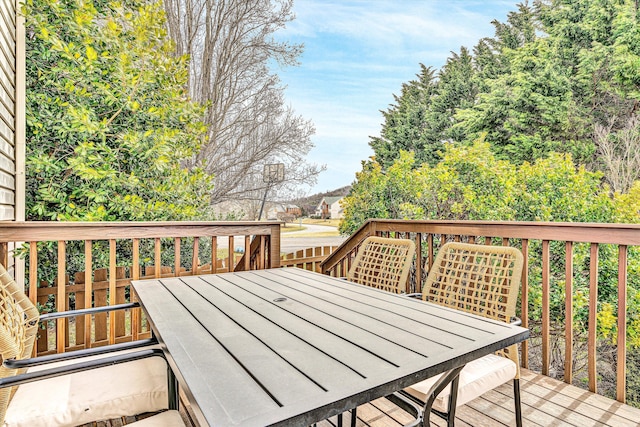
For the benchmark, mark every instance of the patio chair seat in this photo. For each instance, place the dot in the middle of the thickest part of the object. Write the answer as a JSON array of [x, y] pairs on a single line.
[[476, 378], [126, 389]]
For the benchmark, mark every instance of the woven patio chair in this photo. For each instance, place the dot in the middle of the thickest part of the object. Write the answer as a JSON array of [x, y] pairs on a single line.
[[383, 263], [76, 387], [483, 280]]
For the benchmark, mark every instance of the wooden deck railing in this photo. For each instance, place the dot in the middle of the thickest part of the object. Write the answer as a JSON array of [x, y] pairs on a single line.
[[307, 259], [544, 245], [46, 254]]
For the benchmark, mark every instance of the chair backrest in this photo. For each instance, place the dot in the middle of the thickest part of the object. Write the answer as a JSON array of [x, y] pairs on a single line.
[[478, 279], [383, 263], [18, 330]]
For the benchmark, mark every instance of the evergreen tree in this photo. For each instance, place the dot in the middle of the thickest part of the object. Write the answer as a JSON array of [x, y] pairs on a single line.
[[406, 126]]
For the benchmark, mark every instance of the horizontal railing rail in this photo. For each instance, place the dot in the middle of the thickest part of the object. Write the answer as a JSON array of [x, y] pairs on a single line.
[[97, 261], [544, 245]]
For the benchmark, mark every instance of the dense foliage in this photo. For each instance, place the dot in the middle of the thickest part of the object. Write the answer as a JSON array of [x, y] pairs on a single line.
[[538, 123], [471, 182], [108, 118]]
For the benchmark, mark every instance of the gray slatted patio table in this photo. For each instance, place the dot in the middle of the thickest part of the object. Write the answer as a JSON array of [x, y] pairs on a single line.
[[291, 347]]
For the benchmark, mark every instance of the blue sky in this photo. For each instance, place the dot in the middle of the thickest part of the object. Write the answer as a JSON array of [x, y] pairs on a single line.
[[357, 55]]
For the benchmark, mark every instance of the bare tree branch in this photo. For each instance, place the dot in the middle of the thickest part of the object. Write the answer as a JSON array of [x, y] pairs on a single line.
[[231, 46], [620, 152]]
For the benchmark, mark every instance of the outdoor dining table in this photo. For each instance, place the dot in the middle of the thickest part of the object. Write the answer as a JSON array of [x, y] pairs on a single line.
[[291, 347]]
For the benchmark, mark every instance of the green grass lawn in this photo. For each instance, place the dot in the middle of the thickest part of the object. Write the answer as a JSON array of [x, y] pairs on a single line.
[[331, 222]]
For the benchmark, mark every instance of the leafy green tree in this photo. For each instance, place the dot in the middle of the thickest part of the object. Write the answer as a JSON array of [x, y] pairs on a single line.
[[108, 118], [367, 199]]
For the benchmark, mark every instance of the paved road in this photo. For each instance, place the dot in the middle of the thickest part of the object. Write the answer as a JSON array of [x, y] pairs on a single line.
[[296, 240]]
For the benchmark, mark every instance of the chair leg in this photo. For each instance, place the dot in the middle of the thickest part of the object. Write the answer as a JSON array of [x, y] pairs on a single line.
[[453, 402], [174, 397], [518, 403]]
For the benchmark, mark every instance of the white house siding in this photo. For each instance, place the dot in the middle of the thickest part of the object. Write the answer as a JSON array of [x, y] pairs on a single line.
[[336, 210], [8, 110]]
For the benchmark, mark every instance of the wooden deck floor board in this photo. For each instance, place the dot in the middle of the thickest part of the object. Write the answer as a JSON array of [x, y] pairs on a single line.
[[579, 398], [569, 407], [546, 402]]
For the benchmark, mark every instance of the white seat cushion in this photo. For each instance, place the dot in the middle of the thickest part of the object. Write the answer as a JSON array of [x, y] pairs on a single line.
[[476, 378], [163, 419], [119, 390]]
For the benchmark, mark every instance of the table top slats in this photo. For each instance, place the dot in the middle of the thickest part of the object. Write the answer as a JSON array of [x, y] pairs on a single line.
[[221, 378], [272, 370], [304, 318], [408, 308], [403, 323], [266, 320]]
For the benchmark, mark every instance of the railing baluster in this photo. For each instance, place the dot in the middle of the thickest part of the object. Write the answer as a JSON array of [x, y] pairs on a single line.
[[418, 284], [247, 252], [33, 280], [88, 285], [157, 258], [525, 302], [4, 254], [430, 250], [33, 272], [621, 368], [112, 289], [176, 255], [262, 260], [196, 254], [61, 297], [136, 324], [214, 254], [593, 319], [568, 311], [230, 257], [545, 308]]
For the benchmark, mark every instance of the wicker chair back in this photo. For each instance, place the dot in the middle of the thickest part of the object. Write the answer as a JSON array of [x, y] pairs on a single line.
[[383, 263]]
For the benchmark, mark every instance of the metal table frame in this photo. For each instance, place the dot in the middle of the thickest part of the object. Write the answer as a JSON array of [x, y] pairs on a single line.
[[292, 347]]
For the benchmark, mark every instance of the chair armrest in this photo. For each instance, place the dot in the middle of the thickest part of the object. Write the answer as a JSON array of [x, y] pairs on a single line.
[[92, 310], [77, 354], [516, 321], [79, 367], [416, 295]]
